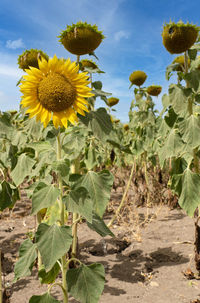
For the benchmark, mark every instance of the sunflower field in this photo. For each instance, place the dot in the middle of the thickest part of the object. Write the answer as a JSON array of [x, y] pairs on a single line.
[[67, 161]]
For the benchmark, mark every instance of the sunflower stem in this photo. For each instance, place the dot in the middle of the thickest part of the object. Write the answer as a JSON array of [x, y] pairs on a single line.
[[123, 198], [75, 169], [1, 286], [39, 220], [62, 220], [77, 59]]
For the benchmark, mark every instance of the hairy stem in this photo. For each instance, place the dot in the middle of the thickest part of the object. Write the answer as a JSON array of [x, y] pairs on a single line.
[[1, 287], [62, 220], [75, 169]]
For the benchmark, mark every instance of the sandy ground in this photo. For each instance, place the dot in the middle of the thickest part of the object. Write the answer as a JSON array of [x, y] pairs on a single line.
[[148, 270]]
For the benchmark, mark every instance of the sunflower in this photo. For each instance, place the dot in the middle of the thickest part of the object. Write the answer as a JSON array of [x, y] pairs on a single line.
[[138, 77], [30, 58], [55, 90], [177, 38], [154, 90], [181, 61], [88, 64], [126, 127], [112, 101], [81, 38]]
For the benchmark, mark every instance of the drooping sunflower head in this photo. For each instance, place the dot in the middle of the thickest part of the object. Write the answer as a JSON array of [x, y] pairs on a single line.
[[138, 77], [81, 38], [112, 101], [154, 90], [181, 61], [55, 90], [126, 127], [30, 58], [88, 63], [179, 37]]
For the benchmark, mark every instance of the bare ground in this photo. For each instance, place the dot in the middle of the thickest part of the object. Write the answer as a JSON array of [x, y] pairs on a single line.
[[142, 264]]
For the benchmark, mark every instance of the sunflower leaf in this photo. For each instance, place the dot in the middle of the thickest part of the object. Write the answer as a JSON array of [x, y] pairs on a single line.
[[53, 242], [86, 283]]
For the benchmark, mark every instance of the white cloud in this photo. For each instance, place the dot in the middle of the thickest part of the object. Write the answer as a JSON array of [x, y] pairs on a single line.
[[10, 71], [121, 34], [15, 44]]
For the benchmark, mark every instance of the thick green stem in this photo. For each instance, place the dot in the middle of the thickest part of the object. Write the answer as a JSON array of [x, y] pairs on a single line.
[[62, 221], [39, 220], [1, 287], [123, 198], [75, 169], [74, 234]]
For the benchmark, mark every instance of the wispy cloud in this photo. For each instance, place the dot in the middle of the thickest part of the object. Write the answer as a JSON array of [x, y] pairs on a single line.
[[14, 44], [10, 71], [121, 34]]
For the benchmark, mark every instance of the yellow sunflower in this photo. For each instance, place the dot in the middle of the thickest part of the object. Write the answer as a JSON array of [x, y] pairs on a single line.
[[55, 90]]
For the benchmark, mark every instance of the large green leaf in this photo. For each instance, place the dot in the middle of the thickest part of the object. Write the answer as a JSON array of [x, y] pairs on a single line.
[[78, 201], [22, 169], [62, 167], [18, 138], [50, 276], [178, 97], [40, 147], [33, 128], [190, 195], [45, 298], [99, 226], [170, 117], [27, 256], [100, 123], [90, 159], [74, 143], [6, 127], [172, 147], [53, 242], [99, 187], [190, 130], [5, 195], [44, 197], [86, 283], [193, 78]]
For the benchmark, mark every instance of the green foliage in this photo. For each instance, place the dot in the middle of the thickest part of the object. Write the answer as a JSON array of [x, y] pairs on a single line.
[[190, 194], [53, 242], [99, 226], [44, 196], [45, 298], [50, 276], [78, 201], [27, 256], [22, 169], [98, 186], [86, 283]]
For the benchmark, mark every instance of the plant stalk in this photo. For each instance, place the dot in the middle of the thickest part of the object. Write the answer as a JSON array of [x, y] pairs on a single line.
[[62, 220], [123, 198], [1, 287], [39, 220], [75, 169]]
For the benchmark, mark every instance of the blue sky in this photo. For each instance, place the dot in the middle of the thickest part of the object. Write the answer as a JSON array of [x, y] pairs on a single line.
[[133, 40]]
